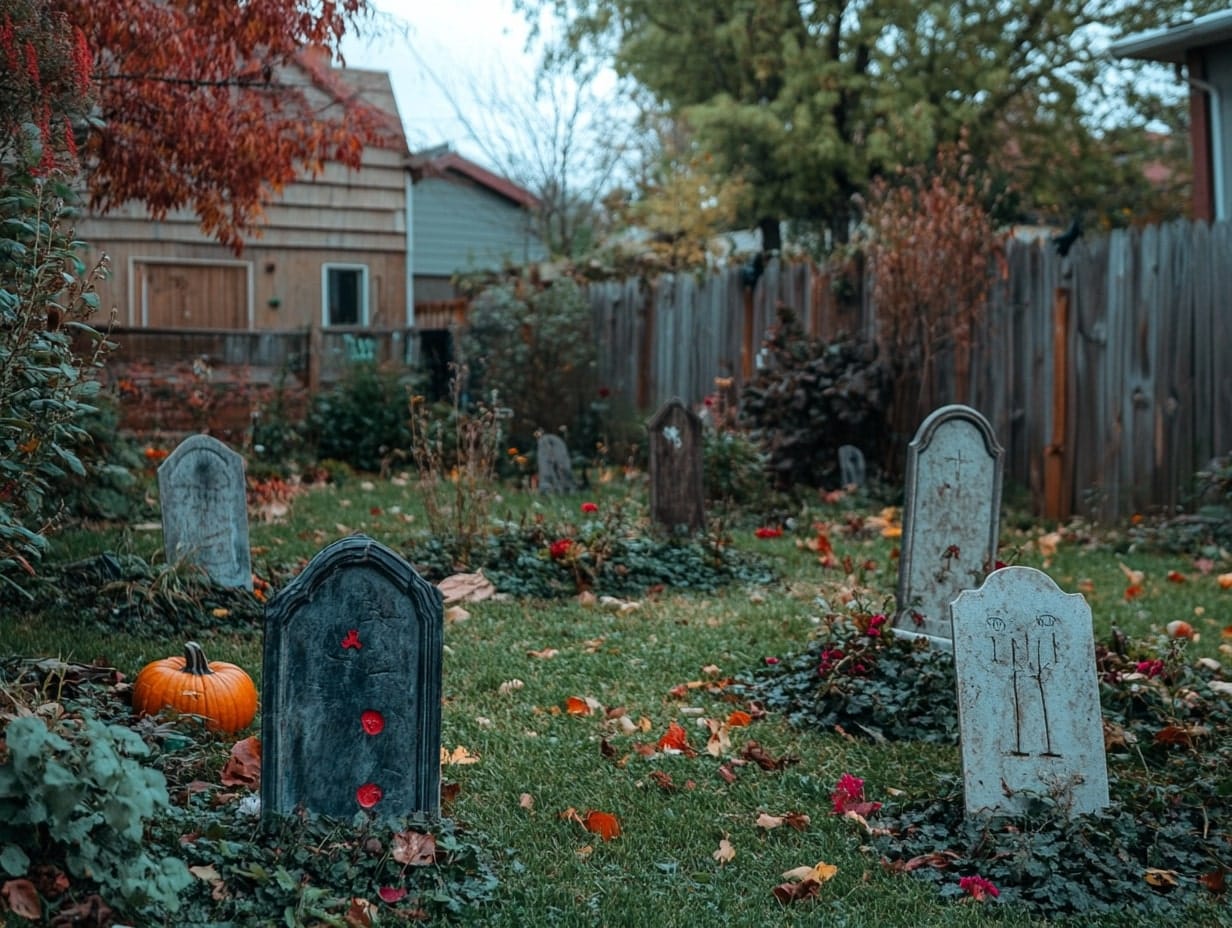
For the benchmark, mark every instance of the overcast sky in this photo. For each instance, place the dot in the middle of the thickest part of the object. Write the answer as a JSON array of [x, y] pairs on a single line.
[[460, 44]]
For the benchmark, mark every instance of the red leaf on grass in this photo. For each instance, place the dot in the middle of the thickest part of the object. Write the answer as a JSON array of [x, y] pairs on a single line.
[[758, 755], [243, 767], [675, 739], [391, 894], [604, 824]]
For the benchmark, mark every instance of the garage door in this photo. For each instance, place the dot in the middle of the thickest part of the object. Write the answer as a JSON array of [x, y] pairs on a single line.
[[194, 296]]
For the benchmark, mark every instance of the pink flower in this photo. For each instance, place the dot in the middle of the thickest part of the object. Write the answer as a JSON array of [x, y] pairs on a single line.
[[875, 624], [978, 888], [767, 532], [771, 660], [560, 548], [590, 507], [848, 796]]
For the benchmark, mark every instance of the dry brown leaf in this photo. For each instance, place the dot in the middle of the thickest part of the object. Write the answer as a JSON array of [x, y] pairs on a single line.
[[457, 756], [466, 588], [359, 915], [527, 801], [726, 853], [794, 892], [208, 873], [509, 686], [414, 848], [22, 899], [545, 655], [768, 821], [456, 614], [243, 767]]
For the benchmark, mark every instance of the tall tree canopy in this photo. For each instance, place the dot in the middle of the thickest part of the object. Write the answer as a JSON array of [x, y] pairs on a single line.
[[191, 108], [808, 101]]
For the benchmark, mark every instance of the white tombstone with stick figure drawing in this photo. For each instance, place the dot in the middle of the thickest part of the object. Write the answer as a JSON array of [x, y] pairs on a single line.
[[1028, 699]]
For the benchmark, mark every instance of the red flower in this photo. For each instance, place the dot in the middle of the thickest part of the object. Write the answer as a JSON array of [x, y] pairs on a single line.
[[560, 548], [1150, 668], [590, 507], [875, 624], [978, 888], [767, 532], [848, 796], [829, 660], [770, 661]]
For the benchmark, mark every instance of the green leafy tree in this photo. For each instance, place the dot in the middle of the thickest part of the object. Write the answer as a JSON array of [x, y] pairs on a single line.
[[807, 102]]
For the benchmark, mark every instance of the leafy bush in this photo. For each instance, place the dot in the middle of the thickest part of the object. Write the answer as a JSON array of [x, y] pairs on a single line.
[[537, 355], [113, 462], [362, 419], [812, 398], [734, 469], [74, 793], [45, 288]]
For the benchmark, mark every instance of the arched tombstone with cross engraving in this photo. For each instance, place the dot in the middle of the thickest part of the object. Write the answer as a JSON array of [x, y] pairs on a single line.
[[951, 518]]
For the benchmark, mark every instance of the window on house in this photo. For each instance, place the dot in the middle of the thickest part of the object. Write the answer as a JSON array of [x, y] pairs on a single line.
[[346, 294]]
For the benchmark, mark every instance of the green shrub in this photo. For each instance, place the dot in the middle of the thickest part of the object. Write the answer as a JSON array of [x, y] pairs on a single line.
[[362, 420], [76, 795], [812, 398], [734, 469], [537, 355]]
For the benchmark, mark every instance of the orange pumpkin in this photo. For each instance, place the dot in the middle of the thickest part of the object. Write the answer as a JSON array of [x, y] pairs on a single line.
[[221, 693]]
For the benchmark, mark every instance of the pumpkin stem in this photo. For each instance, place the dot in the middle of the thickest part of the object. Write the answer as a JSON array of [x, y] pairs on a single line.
[[194, 660]]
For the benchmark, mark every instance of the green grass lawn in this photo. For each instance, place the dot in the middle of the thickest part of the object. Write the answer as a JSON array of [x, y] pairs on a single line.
[[536, 760]]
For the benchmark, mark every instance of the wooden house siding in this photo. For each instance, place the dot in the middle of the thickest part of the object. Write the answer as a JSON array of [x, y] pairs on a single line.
[[168, 273], [460, 226]]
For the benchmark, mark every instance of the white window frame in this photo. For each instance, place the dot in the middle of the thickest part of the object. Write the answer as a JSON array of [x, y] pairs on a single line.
[[364, 290]]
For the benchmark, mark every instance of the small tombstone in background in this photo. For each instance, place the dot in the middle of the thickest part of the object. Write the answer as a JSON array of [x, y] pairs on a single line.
[[204, 499], [555, 467], [676, 483], [851, 467], [1028, 698], [351, 700], [951, 518]]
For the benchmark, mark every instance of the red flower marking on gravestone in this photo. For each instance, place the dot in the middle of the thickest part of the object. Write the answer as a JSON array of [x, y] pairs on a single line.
[[368, 795], [352, 640], [372, 721]]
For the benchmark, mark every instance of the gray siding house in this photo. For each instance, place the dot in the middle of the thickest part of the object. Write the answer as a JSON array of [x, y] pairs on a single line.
[[465, 219]]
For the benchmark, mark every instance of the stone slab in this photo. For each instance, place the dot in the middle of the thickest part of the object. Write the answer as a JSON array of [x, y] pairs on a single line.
[[951, 518], [203, 495], [555, 466], [351, 701], [1028, 697], [677, 492]]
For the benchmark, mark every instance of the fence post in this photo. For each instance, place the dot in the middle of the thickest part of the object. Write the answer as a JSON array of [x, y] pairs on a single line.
[[1056, 506], [746, 340], [646, 349]]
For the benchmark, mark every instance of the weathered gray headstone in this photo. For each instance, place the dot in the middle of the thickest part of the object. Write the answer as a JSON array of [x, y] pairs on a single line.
[[1028, 698], [851, 466], [675, 468], [351, 697], [951, 518], [204, 500], [555, 467]]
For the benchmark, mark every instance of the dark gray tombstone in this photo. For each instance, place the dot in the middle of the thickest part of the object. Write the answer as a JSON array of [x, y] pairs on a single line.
[[676, 483], [204, 501], [555, 467], [1028, 698], [851, 467], [351, 700], [951, 518]]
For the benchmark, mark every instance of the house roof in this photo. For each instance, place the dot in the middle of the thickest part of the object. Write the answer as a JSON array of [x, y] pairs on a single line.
[[441, 162], [353, 87], [1171, 42]]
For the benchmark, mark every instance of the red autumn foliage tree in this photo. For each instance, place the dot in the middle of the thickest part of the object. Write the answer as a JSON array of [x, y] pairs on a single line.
[[930, 245], [194, 110]]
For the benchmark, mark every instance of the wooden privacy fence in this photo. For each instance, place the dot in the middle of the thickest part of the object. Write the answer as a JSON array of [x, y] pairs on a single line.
[[1107, 374]]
